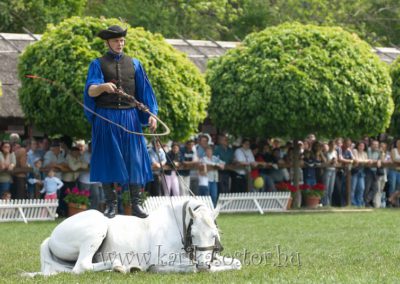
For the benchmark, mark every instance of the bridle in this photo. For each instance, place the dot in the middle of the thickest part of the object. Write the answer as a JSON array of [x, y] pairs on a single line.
[[187, 239]]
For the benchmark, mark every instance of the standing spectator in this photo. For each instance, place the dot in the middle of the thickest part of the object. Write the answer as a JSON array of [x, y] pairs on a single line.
[[19, 188], [75, 163], [7, 164], [345, 156], [51, 185], [158, 161], [309, 173], [35, 179], [371, 173], [202, 146], [33, 152], [94, 188], [243, 157], [55, 159], [171, 177], [225, 153], [189, 161], [319, 159], [213, 164], [380, 196], [394, 175], [358, 175], [329, 173]]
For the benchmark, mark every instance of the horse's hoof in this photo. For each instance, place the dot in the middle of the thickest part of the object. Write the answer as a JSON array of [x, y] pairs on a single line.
[[134, 269], [119, 269]]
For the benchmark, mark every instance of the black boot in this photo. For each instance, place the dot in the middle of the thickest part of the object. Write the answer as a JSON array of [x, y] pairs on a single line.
[[135, 201], [111, 200]]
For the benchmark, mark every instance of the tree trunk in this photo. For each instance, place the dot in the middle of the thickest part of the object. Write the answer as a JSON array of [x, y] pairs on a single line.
[[296, 170]]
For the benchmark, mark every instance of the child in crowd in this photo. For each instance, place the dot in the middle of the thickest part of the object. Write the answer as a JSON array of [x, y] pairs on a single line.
[[50, 185], [6, 196], [35, 178]]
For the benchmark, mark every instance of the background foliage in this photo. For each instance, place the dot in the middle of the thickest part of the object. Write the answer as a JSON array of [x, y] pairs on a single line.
[[294, 79], [63, 54], [36, 14]]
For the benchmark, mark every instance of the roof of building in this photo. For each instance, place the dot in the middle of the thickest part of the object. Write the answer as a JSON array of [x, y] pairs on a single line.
[[198, 51]]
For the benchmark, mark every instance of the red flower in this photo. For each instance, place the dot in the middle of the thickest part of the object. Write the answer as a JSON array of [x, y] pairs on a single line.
[[319, 186], [67, 191], [75, 190], [304, 186]]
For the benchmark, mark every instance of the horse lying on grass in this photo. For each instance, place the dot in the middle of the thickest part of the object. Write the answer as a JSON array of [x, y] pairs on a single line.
[[179, 238]]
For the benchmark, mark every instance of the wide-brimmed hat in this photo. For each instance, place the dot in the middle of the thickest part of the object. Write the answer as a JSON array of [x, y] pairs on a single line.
[[112, 32]]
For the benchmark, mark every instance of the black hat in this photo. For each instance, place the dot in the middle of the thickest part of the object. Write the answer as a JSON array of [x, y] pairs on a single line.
[[112, 32]]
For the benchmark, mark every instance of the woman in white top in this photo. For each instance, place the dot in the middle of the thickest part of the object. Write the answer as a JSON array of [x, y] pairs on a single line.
[[358, 174]]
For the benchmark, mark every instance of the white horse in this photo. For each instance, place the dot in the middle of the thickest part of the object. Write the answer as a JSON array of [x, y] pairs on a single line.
[[181, 237]]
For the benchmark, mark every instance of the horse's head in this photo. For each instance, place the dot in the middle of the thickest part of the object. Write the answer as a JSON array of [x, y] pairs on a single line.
[[202, 239]]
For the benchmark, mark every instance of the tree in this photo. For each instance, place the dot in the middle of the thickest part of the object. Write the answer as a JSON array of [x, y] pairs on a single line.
[[195, 19], [36, 14], [294, 79], [63, 54]]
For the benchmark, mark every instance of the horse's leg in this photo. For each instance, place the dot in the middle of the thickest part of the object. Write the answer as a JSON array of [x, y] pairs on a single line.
[[86, 252], [50, 266]]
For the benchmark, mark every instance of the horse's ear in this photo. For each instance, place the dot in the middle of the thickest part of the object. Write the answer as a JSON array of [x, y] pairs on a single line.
[[192, 213]]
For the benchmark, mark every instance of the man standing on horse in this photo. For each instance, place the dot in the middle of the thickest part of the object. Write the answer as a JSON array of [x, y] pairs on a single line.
[[117, 155]]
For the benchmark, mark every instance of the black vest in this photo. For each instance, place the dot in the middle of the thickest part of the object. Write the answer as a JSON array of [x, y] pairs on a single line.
[[122, 74]]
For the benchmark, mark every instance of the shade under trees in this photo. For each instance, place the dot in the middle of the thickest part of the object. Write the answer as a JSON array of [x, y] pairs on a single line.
[[64, 53]]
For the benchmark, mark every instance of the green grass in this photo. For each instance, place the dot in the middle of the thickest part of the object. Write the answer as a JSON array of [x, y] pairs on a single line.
[[361, 247]]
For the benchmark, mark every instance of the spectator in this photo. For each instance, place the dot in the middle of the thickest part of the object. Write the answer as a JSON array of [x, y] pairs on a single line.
[[201, 147], [225, 153], [243, 157], [55, 159], [96, 194], [329, 173], [262, 159], [213, 164], [35, 179], [345, 156], [371, 173], [358, 174], [394, 175], [33, 152], [380, 196], [19, 188], [158, 160], [51, 185], [7, 164], [171, 177], [189, 161]]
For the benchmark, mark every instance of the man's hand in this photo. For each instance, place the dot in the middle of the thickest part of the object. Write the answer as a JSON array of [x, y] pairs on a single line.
[[109, 87], [152, 123]]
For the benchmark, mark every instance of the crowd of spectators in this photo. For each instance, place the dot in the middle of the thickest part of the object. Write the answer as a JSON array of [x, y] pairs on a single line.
[[43, 168]]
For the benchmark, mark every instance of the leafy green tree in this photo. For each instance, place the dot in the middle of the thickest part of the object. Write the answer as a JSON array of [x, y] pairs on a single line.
[[193, 19], [63, 54], [36, 14], [294, 79]]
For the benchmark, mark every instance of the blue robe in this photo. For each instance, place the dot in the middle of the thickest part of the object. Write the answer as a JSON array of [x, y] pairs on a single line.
[[118, 156]]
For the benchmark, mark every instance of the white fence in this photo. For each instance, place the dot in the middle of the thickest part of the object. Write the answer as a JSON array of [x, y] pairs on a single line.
[[27, 210], [231, 202], [253, 202], [152, 203]]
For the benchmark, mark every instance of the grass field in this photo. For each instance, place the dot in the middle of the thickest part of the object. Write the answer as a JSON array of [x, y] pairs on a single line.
[[356, 247]]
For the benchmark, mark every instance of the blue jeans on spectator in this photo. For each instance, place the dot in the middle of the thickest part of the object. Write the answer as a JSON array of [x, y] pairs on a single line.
[[357, 188], [4, 187], [269, 185], [310, 181], [394, 181], [213, 187], [329, 182]]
